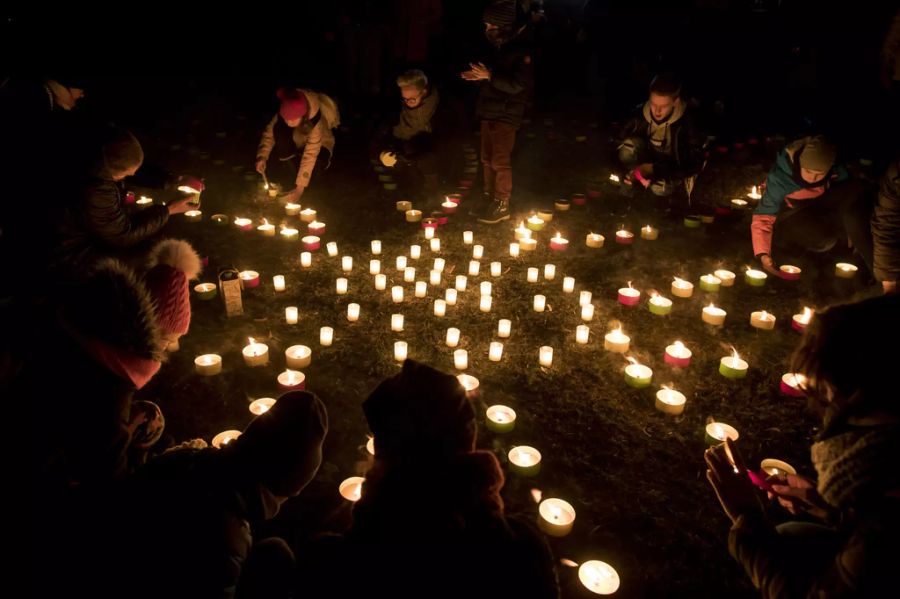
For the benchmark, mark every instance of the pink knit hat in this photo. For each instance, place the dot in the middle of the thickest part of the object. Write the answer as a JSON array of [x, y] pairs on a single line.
[[293, 103], [171, 264]]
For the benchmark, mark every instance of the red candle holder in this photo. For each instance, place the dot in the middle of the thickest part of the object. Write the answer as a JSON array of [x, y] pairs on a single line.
[[676, 362], [579, 199], [625, 239], [456, 198], [130, 197], [559, 244], [430, 223], [629, 300], [311, 243], [250, 282], [593, 193], [440, 217], [788, 390], [317, 229]]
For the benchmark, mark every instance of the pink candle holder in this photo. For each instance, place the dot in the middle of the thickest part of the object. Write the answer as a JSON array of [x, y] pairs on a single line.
[[311, 243]]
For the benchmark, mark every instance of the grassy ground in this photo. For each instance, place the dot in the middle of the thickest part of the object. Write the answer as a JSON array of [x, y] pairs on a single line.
[[635, 476]]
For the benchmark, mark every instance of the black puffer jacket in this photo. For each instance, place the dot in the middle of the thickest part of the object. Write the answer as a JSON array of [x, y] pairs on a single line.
[[686, 158], [886, 226], [506, 95]]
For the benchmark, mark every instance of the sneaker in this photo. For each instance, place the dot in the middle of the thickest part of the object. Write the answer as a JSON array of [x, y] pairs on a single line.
[[498, 211]]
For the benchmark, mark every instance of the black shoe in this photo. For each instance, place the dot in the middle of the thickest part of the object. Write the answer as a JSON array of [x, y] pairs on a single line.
[[499, 211]]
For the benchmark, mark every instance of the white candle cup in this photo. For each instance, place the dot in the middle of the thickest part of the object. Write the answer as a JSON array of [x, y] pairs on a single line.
[[429, 232], [500, 419], [504, 328], [224, 438], [450, 296], [469, 383], [380, 282], [468, 237], [582, 334], [421, 288], [545, 356], [292, 380], [478, 252], [486, 288], [584, 298], [351, 488], [396, 322], [594, 240], [397, 294], [598, 577], [413, 216], [308, 215], [587, 312], [341, 286], [714, 316], [434, 278], [193, 216], [400, 263], [682, 288], [670, 401], [485, 302], [326, 336], [452, 337], [415, 252], [374, 267], [474, 268], [305, 259], [514, 250], [256, 354], [266, 230], [845, 270], [400, 349], [540, 303], [616, 341], [568, 285], [347, 263], [440, 308], [409, 275], [376, 247], [762, 320], [495, 353], [522, 232], [496, 269], [278, 282], [298, 356], [725, 276], [435, 244], [291, 209], [528, 245], [556, 517], [289, 233], [261, 405], [291, 315], [717, 432], [439, 264], [332, 249], [524, 460], [403, 206], [461, 282], [208, 364], [774, 467], [649, 233], [532, 276], [461, 359], [352, 312], [549, 272]]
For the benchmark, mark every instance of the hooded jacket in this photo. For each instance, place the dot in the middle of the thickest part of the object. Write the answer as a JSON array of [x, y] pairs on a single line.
[[677, 143], [886, 226]]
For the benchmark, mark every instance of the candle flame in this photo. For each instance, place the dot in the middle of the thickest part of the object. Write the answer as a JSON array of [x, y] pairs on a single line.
[[679, 347], [629, 285], [754, 192], [251, 341], [537, 495], [567, 562], [653, 294], [558, 236], [680, 282], [614, 178], [266, 223], [717, 431], [807, 314], [667, 387], [734, 355], [647, 228], [764, 315], [555, 512], [617, 332], [711, 306], [632, 361]]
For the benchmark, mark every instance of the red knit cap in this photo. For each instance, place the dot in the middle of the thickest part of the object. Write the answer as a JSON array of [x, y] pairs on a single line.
[[293, 104], [172, 263]]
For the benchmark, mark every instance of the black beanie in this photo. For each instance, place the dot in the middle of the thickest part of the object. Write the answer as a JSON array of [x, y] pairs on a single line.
[[501, 13], [283, 446], [420, 412]]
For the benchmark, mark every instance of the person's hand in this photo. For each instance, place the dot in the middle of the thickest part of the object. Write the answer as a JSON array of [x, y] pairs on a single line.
[[179, 206], [643, 173], [769, 265], [478, 71], [729, 480], [798, 495], [889, 286], [293, 196], [261, 165]]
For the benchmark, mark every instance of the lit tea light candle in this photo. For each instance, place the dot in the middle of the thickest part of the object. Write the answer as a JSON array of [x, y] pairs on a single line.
[[429, 232], [415, 252], [450, 296], [562, 205], [528, 245], [485, 302], [341, 286], [219, 219], [559, 243], [316, 228], [292, 209], [291, 315], [461, 282], [351, 488], [308, 215], [504, 328], [400, 349], [461, 359], [681, 288], [380, 282], [584, 298], [496, 269], [448, 207], [144, 202], [545, 356], [624, 237], [793, 384], [726, 277], [469, 383], [206, 291], [310, 243], [670, 401], [557, 517], [421, 288], [535, 223], [582, 333], [713, 315], [291, 234], [587, 312], [495, 352], [629, 296], [305, 259], [434, 278], [244, 224], [326, 336], [599, 577], [732, 367], [278, 282], [374, 267], [774, 467], [208, 364], [799, 321], [710, 283], [738, 204], [403, 205], [413, 216], [255, 354], [532, 275], [649, 233], [614, 179], [400, 263], [762, 320], [486, 288], [522, 232], [435, 245], [409, 274], [500, 419], [468, 237], [717, 432], [549, 272], [754, 194], [347, 263], [594, 240], [332, 248], [266, 230], [845, 270], [568, 285], [261, 405], [193, 216], [298, 356], [678, 355], [616, 341], [755, 278], [224, 438], [439, 264], [638, 375], [659, 305], [352, 312], [478, 252], [250, 278], [514, 250], [440, 308], [545, 215], [789, 273], [524, 460], [540, 303], [474, 268], [397, 294], [452, 337]]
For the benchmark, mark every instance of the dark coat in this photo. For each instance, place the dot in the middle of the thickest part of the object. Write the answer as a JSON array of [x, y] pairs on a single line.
[[686, 158], [507, 94], [886, 226]]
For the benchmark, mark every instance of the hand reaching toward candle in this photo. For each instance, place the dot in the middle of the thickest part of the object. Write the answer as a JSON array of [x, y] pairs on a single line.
[[260, 165], [798, 495], [478, 71], [730, 481], [180, 206], [293, 196], [769, 265]]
